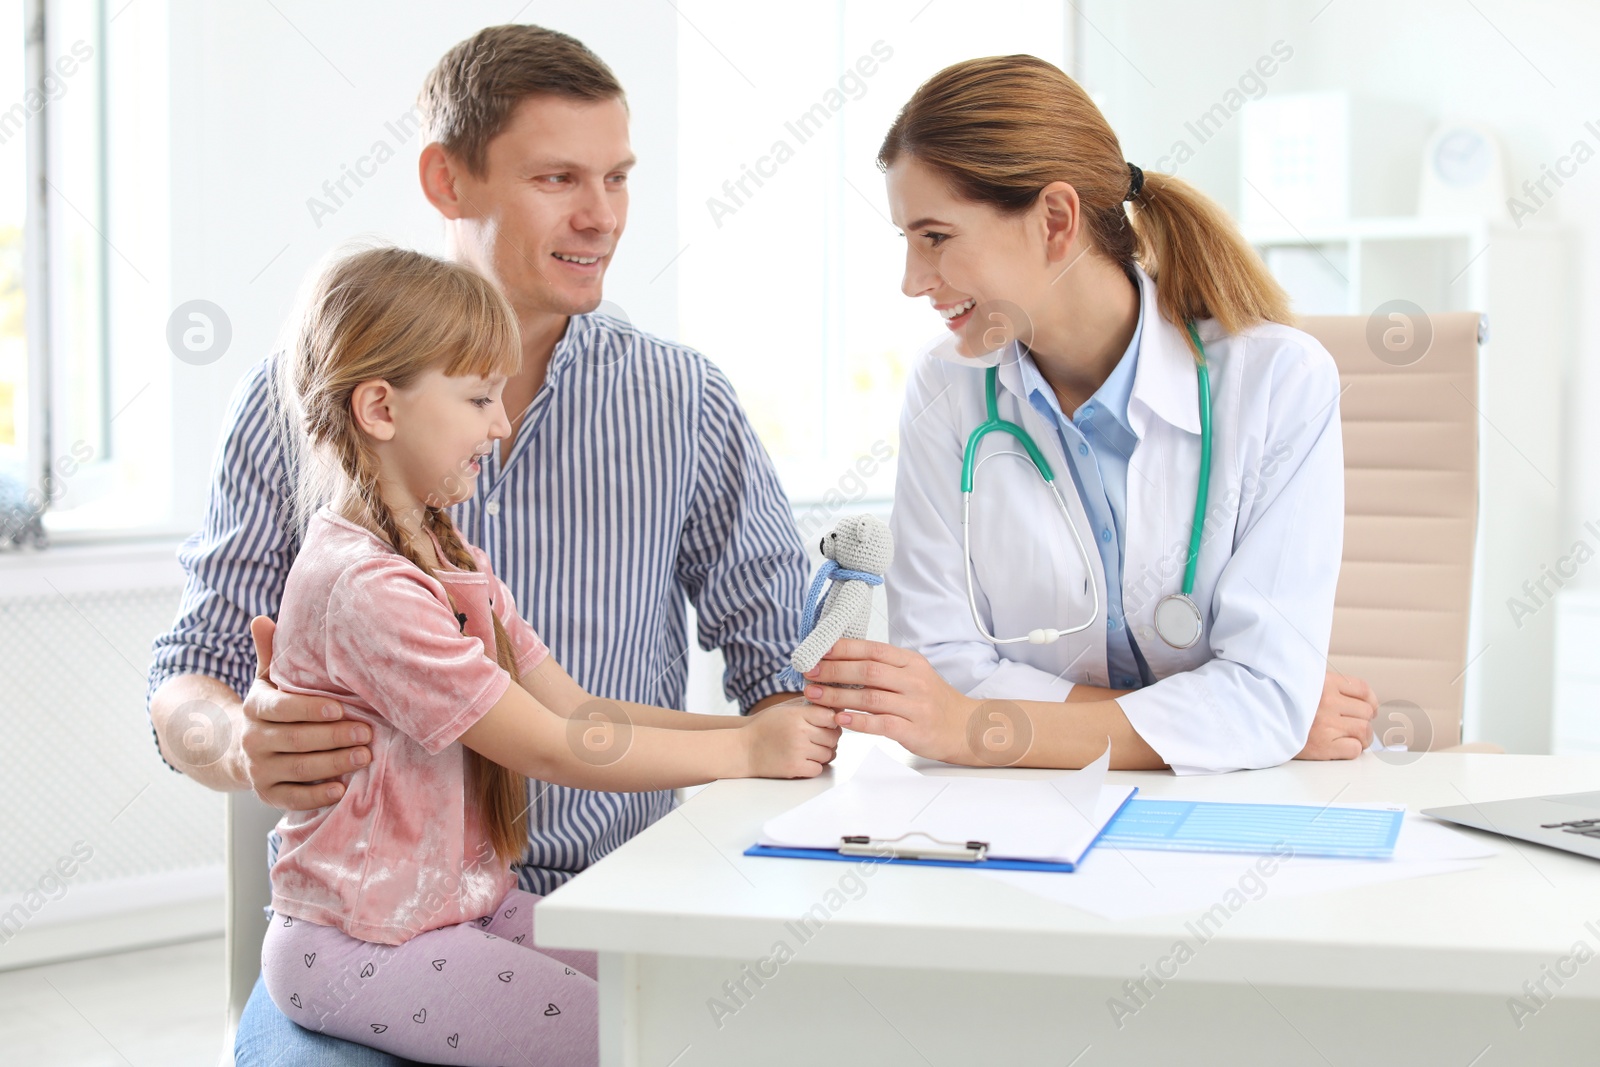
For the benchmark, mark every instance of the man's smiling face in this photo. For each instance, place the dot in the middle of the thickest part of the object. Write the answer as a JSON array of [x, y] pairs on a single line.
[[544, 218]]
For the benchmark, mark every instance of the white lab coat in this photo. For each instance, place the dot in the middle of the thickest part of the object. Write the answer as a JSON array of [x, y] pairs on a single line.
[[1244, 695]]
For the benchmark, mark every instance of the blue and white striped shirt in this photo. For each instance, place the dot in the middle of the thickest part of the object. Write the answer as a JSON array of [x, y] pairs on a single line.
[[635, 480]]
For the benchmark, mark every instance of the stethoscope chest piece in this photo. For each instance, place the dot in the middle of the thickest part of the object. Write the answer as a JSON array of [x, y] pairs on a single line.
[[1178, 620]]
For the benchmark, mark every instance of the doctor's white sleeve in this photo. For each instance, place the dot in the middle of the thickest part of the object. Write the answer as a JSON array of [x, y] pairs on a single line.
[[926, 584], [1272, 608]]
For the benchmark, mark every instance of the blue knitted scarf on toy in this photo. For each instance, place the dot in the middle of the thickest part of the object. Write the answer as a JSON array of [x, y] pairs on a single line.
[[790, 677]]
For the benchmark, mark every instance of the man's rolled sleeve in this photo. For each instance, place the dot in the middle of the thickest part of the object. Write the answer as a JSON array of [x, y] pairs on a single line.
[[236, 565], [740, 559]]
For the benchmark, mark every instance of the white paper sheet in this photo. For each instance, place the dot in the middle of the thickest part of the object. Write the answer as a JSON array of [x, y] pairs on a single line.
[[1422, 838], [1052, 819], [1121, 884]]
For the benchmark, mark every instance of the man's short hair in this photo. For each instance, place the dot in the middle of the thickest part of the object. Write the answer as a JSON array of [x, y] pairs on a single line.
[[469, 97]]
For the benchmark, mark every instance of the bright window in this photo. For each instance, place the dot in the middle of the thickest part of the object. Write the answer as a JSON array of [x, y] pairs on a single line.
[[789, 276], [55, 375], [15, 406], [83, 440]]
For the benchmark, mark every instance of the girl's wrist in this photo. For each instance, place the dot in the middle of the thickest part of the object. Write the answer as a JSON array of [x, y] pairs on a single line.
[[739, 758]]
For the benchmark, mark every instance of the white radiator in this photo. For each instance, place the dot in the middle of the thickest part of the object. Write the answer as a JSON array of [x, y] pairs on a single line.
[[101, 845]]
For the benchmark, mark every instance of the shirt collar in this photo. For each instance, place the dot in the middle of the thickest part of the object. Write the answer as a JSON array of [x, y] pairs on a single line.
[[1115, 392], [1163, 382], [571, 340], [1111, 398]]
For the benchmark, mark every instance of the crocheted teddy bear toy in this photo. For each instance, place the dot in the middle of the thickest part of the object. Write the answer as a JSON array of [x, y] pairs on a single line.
[[857, 553]]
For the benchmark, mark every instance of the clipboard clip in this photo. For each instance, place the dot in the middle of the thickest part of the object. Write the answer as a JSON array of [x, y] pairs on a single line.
[[862, 845]]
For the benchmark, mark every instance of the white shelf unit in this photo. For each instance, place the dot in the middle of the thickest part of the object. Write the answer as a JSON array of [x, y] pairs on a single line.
[[1438, 263], [1576, 729], [1519, 280]]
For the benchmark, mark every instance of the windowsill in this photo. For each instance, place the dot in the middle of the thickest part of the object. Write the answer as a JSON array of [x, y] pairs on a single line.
[[93, 564], [88, 534], [801, 505]]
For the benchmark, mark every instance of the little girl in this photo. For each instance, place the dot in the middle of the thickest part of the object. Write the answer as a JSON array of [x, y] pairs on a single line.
[[397, 922]]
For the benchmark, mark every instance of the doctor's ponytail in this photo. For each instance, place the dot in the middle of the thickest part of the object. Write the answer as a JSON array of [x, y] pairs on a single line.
[[1002, 128], [1202, 266]]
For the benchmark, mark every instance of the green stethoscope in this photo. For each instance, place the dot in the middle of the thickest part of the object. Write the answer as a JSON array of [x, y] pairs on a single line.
[[1178, 620]]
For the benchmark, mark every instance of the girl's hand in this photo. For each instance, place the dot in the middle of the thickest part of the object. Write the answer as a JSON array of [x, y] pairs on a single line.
[[790, 740], [909, 702]]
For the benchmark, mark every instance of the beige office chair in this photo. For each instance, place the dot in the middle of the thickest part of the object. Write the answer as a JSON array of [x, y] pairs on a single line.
[[1411, 506], [249, 822]]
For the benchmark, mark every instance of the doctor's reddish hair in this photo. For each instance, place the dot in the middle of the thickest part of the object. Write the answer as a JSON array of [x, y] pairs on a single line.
[[1000, 129], [393, 314]]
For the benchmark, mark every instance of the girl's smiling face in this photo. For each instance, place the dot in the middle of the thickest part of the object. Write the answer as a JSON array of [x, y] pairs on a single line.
[[430, 435], [984, 272]]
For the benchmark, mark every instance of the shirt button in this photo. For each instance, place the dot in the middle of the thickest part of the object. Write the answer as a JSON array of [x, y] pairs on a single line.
[[1105, 535], [1083, 450], [1127, 683], [492, 507], [1111, 624], [1088, 411]]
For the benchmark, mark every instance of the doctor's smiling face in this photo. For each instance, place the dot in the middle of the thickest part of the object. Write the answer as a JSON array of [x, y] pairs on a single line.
[[1012, 190], [990, 275]]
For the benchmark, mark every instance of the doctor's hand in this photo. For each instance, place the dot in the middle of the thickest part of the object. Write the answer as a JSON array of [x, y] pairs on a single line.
[[294, 747], [1343, 726], [907, 699]]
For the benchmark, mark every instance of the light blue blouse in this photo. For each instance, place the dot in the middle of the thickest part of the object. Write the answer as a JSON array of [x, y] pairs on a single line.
[[1097, 442]]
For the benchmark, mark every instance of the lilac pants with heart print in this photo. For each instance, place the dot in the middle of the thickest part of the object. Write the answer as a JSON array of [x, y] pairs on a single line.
[[477, 993]]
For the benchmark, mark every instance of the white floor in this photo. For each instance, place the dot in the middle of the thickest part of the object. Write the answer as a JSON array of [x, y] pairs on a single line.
[[161, 1007]]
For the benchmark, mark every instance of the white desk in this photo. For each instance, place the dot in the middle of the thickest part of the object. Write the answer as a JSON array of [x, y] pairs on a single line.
[[943, 966]]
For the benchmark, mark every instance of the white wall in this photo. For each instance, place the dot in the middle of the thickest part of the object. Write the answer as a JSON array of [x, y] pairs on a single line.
[[266, 107], [246, 113], [268, 103], [1525, 70]]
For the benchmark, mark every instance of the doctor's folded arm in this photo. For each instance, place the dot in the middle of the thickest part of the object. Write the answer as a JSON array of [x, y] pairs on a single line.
[[1119, 507]]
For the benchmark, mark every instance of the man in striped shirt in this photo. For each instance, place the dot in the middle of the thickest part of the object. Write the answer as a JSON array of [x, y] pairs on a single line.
[[632, 481]]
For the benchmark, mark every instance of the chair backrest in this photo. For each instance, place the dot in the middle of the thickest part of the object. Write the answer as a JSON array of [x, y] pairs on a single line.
[[1409, 406], [249, 892]]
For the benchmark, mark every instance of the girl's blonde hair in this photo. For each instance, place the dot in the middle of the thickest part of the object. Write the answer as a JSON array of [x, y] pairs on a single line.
[[1000, 129], [394, 314]]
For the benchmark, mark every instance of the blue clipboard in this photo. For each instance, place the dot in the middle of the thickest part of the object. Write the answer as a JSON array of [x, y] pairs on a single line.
[[980, 865], [1216, 826]]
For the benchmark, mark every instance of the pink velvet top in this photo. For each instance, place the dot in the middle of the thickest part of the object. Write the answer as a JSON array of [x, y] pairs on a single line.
[[404, 850]]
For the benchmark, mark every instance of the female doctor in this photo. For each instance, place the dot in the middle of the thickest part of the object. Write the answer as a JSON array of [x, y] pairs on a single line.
[[1172, 587]]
